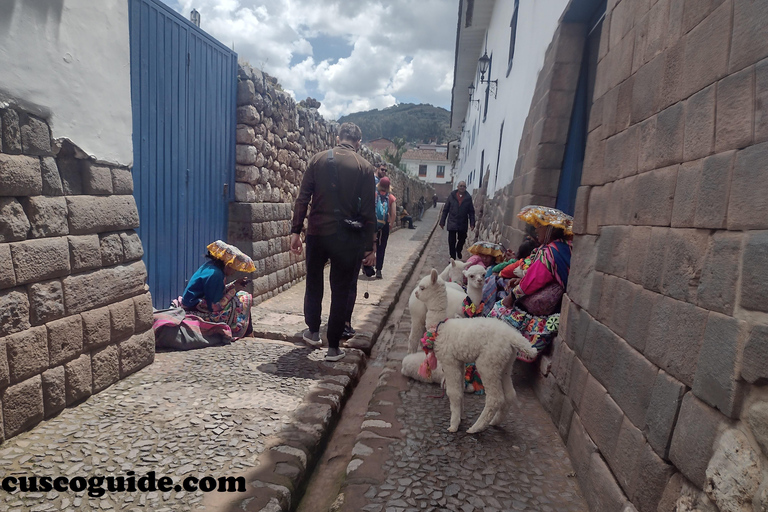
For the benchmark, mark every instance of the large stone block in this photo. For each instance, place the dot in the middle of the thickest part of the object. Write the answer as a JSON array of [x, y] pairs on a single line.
[[697, 428], [79, 379], [27, 353], [11, 134], [46, 301], [111, 249], [601, 416], [143, 310], [735, 110], [684, 323], [580, 446], [35, 136], [646, 94], [101, 287], [754, 366], [122, 181], [623, 458], [71, 174], [20, 176], [7, 274], [654, 197], [717, 287], [652, 474], [97, 179], [246, 92], [136, 352], [14, 224], [85, 252], [14, 311], [37, 260], [600, 488], [749, 191], [123, 319], [132, 247], [758, 423], [734, 473], [631, 382], [247, 114], [761, 101], [582, 269], [54, 391], [97, 327], [653, 271], [245, 193], [65, 339], [666, 398], [639, 241], [621, 152], [51, 180], [22, 405], [105, 364], [245, 134], [683, 263], [754, 284], [748, 44], [598, 352], [706, 51], [613, 250], [47, 216], [717, 373], [96, 214], [673, 91], [685, 201], [699, 124]]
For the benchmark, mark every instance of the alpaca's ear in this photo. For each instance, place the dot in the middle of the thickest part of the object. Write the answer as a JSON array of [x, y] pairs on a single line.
[[453, 262], [465, 273], [433, 276]]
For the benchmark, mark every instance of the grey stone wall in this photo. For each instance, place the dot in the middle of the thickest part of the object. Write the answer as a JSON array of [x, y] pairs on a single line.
[[75, 314], [276, 137]]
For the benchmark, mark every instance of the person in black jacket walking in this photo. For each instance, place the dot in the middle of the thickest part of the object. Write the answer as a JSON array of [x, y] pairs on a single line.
[[458, 209]]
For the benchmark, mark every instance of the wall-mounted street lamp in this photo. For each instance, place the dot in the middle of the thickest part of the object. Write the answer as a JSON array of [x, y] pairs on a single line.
[[471, 94], [485, 62]]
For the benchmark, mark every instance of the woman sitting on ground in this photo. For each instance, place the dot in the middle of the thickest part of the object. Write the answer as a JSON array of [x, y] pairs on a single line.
[[210, 298], [533, 305]]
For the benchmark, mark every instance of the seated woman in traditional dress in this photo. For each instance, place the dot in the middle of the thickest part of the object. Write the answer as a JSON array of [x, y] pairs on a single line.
[[533, 306], [209, 297]]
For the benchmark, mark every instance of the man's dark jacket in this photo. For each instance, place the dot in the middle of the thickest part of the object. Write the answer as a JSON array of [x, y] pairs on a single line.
[[355, 180], [458, 214]]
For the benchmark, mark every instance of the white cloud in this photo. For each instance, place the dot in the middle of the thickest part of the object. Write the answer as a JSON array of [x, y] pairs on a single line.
[[401, 49]]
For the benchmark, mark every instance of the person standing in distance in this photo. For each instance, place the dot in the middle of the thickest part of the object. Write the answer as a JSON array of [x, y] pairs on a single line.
[[338, 183], [458, 209]]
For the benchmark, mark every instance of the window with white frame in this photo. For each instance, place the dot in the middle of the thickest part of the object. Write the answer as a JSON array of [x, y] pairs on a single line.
[[441, 171]]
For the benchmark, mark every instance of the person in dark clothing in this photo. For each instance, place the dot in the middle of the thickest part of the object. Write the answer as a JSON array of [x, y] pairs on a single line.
[[339, 190], [434, 201], [458, 210]]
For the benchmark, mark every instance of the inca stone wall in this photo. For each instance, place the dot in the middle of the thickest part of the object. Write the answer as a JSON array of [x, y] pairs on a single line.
[[658, 379], [276, 137], [75, 314]]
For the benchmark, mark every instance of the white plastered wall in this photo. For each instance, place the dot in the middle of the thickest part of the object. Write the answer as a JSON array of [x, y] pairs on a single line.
[[70, 60], [536, 25]]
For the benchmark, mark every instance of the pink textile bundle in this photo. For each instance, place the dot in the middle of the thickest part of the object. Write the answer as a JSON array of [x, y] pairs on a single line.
[[429, 364], [479, 259]]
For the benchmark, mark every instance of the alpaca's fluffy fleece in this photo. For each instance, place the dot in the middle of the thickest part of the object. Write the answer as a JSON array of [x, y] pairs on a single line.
[[488, 342], [454, 272], [410, 368], [475, 276], [418, 312]]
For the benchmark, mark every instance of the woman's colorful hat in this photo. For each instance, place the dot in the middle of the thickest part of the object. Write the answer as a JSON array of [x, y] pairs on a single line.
[[232, 256], [488, 249], [538, 216]]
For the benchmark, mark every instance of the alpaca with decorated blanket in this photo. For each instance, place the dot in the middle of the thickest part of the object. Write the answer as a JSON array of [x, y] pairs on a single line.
[[490, 343]]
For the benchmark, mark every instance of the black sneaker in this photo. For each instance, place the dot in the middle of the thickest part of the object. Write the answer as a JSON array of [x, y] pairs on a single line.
[[348, 332], [335, 354], [378, 274]]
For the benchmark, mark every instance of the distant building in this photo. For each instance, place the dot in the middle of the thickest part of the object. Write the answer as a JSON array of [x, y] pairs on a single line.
[[430, 163], [381, 145]]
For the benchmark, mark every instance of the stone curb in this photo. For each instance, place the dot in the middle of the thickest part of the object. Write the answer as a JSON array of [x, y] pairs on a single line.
[[282, 471]]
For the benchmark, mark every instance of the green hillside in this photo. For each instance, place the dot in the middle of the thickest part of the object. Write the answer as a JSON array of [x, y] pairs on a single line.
[[415, 123]]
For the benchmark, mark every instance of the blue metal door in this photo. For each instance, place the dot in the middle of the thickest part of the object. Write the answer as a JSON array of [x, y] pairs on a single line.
[[183, 91]]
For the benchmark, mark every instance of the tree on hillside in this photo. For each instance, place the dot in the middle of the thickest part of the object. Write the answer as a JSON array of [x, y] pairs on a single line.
[[400, 149]]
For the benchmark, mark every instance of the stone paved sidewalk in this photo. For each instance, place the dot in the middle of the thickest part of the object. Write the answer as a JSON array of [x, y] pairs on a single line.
[[258, 408], [406, 461]]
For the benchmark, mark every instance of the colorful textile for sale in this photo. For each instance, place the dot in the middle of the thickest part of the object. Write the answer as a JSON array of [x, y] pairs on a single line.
[[175, 329], [234, 309], [538, 330], [472, 381]]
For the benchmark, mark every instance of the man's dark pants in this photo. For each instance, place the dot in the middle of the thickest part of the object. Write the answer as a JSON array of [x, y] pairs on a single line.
[[455, 246], [344, 257], [381, 246]]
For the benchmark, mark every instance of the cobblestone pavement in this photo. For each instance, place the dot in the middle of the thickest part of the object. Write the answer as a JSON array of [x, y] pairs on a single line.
[[405, 460], [222, 411]]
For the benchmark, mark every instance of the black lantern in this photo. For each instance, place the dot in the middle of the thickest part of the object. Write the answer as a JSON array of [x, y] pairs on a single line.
[[485, 64]]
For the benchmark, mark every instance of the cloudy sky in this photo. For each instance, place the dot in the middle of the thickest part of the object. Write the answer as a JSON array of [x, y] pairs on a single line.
[[351, 55]]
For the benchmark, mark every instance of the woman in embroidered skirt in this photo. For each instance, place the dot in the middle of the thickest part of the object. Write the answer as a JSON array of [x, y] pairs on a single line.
[[533, 306], [209, 297]]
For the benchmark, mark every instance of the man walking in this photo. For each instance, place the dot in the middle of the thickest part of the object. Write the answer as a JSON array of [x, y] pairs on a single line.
[[341, 225], [458, 209]]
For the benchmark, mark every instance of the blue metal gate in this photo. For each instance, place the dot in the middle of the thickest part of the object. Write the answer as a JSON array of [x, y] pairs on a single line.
[[184, 92]]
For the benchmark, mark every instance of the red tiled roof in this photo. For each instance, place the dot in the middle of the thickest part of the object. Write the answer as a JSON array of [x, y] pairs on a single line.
[[425, 154]]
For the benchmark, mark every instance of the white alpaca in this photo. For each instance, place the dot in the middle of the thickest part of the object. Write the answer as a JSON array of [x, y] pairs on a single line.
[[410, 368], [419, 311], [491, 343], [475, 276], [453, 274]]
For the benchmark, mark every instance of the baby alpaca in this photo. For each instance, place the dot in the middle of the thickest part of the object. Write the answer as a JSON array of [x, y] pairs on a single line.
[[454, 272], [475, 276], [491, 343], [410, 369], [455, 297]]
